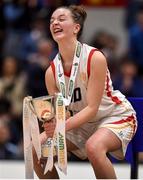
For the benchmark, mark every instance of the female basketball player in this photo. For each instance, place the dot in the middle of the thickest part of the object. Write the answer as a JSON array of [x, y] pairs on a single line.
[[102, 120]]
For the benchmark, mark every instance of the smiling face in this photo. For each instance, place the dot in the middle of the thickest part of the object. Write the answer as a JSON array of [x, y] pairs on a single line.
[[62, 25]]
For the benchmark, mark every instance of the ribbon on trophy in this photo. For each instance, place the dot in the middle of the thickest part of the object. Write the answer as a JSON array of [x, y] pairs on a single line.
[[42, 108], [30, 134], [60, 130]]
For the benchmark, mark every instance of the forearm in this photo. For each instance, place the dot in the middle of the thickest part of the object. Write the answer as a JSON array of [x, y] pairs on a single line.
[[80, 118]]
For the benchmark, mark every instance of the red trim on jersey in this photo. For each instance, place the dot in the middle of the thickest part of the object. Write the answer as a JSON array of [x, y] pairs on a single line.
[[109, 94], [67, 73], [134, 124], [89, 60], [53, 68], [128, 119]]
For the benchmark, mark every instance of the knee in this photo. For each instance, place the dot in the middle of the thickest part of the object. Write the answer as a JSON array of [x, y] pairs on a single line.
[[95, 150]]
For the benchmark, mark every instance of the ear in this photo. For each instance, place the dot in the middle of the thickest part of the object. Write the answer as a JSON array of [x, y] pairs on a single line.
[[77, 28]]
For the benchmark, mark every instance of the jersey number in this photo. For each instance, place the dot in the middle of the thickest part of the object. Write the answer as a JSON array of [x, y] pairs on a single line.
[[76, 95]]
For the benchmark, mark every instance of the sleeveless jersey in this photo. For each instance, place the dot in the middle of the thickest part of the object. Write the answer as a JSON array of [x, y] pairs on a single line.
[[110, 98]]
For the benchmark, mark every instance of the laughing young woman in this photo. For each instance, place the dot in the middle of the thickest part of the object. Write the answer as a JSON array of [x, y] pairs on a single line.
[[102, 120]]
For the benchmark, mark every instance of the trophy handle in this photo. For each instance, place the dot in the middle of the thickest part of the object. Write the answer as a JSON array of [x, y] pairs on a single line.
[[32, 107]]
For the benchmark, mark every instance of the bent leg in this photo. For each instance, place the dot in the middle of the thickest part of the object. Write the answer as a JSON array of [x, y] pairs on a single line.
[[97, 146]]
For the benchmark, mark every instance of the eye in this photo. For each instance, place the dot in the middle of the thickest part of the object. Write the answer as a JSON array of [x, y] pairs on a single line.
[[51, 21], [61, 19]]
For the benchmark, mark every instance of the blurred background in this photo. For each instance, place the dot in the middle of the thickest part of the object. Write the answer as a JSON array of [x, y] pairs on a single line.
[[26, 49]]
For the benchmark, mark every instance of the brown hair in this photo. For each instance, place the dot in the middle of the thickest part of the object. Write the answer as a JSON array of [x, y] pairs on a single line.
[[78, 14]]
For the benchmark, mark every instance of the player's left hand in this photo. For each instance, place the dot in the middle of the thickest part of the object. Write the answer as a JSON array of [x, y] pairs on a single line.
[[49, 128]]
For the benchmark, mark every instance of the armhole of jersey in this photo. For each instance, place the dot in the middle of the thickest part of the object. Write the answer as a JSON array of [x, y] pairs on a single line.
[[53, 68], [89, 60]]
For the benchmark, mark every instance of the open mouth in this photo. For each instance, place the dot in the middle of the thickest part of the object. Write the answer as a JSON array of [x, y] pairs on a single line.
[[57, 30]]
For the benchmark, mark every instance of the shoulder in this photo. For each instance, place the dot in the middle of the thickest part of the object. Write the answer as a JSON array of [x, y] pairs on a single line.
[[50, 81], [98, 58], [98, 55], [98, 63], [95, 58], [52, 68], [50, 72]]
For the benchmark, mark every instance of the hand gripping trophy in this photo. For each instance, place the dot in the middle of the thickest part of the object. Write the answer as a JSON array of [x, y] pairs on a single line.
[[46, 108]]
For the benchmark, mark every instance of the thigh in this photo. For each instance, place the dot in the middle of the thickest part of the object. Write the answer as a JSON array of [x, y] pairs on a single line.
[[106, 138]]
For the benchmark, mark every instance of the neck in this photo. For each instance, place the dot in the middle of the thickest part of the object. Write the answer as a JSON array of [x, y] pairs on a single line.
[[67, 51]]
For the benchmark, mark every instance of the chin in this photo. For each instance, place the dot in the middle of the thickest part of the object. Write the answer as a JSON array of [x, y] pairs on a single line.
[[59, 38]]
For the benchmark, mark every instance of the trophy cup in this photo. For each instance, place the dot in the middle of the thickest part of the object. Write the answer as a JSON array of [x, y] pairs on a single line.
[[44, 109]]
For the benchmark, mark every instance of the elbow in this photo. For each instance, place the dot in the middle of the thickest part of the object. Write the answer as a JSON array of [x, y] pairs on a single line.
[[93, 111]]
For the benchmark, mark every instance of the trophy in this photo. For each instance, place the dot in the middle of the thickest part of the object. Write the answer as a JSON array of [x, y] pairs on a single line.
[[44, 108]]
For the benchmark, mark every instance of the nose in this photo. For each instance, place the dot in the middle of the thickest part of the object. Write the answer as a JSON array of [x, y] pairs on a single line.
[[55, 21]]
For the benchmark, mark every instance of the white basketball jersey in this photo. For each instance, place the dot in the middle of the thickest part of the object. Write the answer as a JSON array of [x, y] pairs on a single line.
[[110, 97]]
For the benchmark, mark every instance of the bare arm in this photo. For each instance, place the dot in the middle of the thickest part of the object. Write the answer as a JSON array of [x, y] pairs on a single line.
[[94, 92], [49, 127], [50, 82]]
